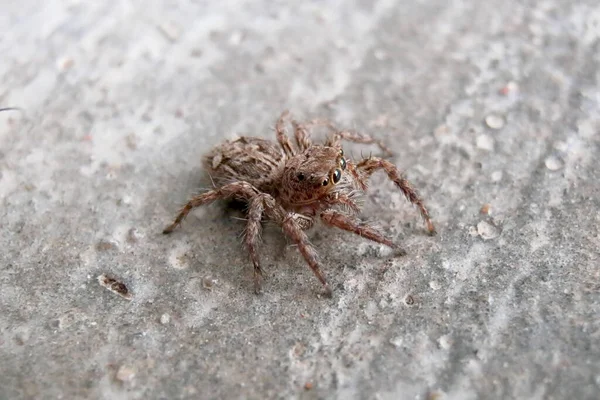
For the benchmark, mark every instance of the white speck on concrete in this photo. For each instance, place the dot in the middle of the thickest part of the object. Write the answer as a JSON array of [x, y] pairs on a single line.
[[125, 373], [494, 121], [487, 231], [165, 319], [553, 163], [485, 142]]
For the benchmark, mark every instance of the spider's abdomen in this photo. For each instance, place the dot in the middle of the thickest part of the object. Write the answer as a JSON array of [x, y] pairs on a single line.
[[253, 160]]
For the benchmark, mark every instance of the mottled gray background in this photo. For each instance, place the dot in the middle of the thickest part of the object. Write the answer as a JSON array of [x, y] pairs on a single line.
[[483, 102]]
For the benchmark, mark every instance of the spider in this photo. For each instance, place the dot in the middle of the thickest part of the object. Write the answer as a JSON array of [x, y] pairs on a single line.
[[293, 185]]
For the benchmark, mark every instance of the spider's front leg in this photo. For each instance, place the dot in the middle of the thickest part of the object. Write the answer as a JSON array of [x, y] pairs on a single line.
[[241, 189], [293, 227], [369, 165], [256, 208], [335, 140], [354, 225]]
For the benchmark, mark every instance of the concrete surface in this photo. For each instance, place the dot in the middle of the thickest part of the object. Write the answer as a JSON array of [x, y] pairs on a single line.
[[492, 102]]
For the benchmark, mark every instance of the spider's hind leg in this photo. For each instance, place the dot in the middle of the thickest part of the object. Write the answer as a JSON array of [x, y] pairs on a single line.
[[302, 134], [282, 137]]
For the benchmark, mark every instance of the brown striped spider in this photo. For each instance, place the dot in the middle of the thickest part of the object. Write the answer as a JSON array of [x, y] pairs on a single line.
[[293, 185]]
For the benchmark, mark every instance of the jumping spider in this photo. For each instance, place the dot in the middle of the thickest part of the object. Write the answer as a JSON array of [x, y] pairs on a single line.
[[293, 185]]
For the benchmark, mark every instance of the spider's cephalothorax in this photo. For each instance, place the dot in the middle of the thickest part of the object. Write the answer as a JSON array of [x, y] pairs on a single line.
[[294, 185], [311, 177]]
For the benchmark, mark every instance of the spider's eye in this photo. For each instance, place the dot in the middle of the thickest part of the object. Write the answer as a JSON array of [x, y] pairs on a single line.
[[341, 152], [336, 176], [343, 163], [325, 182], [300, 176]]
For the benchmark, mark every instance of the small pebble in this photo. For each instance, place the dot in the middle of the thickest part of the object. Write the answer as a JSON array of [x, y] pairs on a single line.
[[487, 231], [105, 245], [131, 141], [435, 285], [511, 87], [381, 121], [435, 395], [125, 200], [65, 63], [445, 342], [208, 283], [485, 142], [170, 31], [22, 337], [397, 342], [179, 259], [561, 145], [132, 236], [67, 319], [236, 38], [441, 130], [553, 163], [485, 209], [298, 349], [189, 390], [380, 54], [308, 386], [125, 373], [115, 286], [494, 121], [497, 176], [165, 319]]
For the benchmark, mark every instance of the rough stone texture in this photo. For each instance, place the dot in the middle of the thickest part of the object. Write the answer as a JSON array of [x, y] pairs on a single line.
[[492, 102]]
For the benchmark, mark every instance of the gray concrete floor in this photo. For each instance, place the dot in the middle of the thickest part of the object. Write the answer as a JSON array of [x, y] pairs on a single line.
[[492, 102]]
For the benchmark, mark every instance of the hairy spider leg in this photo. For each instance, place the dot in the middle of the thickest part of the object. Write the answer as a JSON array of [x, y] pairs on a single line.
[[282, 137], [302, 133], [353, 224], [369, 165], [238, 189], [260, 203], [293, 228], [356, 137]]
